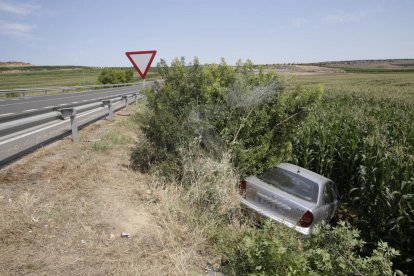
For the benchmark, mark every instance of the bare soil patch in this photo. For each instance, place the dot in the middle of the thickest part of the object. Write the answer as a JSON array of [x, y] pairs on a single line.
[[63, 208], [305, 70]]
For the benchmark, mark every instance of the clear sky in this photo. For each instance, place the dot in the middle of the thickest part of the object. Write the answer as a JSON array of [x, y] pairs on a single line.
[[98, 32]]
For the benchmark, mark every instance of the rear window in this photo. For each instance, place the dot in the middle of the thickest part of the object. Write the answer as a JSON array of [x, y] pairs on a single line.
[[291, 183]]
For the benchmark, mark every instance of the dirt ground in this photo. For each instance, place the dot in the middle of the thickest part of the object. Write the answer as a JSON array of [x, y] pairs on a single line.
[[63, 209]]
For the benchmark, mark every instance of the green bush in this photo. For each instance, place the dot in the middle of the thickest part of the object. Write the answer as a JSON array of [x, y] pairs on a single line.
[[276, 250], [12, 95], [252, 114], [113, 76]]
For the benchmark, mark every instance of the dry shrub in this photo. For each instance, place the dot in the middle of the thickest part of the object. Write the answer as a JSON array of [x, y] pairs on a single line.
[[210, 184], [194, 208]]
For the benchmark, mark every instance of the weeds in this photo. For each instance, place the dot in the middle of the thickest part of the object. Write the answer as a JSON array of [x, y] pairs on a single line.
[[110, 140], [101, 146], [127, 123], [277, 250]]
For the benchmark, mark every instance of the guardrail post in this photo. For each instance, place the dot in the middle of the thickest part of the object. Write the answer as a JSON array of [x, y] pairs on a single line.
[[125, 98], [136, 98], [110, 111], [71, 112], [74, 125]]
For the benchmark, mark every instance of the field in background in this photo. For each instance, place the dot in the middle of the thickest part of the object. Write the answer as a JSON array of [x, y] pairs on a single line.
[[330, 73], [53, 76], [385, 85], [371, 66]]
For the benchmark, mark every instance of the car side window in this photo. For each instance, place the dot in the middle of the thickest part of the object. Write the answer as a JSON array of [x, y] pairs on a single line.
[[329, 193]]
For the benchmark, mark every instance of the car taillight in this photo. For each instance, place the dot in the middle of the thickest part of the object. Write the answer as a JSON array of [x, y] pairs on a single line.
[[242, 188], [306, 219]]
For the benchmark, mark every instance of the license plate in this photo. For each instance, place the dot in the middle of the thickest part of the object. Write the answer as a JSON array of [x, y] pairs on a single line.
[[266, 202]]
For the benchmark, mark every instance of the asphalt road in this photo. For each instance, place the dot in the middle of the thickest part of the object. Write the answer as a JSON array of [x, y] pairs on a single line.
[[24, 104]]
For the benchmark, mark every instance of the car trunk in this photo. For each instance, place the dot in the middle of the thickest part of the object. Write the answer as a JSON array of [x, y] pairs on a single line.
[[273, 202]]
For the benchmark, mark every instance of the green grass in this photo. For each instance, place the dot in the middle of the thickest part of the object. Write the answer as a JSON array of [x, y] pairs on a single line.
[[387, 86], [49, 78], [39, 68], [116, 138], [101, 146], [54, 76], [128, 123], [110, 140]]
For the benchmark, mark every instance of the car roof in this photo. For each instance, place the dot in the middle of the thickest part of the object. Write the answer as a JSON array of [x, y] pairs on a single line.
[[317, 178]]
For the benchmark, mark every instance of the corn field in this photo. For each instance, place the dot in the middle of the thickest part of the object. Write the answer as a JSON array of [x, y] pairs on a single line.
[[362, 137]]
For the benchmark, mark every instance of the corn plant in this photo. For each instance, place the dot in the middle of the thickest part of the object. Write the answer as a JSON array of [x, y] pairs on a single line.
[[364, 141]]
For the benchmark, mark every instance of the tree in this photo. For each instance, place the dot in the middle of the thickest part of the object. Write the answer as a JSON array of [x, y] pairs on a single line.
[[113, 76]]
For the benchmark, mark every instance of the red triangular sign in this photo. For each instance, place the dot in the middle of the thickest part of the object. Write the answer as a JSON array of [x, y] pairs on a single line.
[[141, 60]]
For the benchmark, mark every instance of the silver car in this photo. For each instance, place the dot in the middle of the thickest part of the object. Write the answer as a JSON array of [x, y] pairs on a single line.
[[292, 195]]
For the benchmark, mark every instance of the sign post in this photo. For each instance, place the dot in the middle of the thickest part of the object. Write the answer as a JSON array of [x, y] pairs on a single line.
[[141, 60]]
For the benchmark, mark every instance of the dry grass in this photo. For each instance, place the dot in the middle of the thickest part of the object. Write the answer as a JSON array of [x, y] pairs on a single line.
[[63, 208]]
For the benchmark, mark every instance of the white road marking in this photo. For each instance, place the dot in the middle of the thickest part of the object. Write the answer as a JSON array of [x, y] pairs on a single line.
[[29, 110], [32, 132], [5, 114], [74, 102], [48, 106]]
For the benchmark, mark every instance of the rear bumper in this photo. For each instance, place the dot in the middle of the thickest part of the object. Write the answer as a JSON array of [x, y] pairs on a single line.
[[263, 212]]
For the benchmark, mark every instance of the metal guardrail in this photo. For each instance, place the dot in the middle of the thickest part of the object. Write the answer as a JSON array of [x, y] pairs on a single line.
[[23, 132], [65, 88]]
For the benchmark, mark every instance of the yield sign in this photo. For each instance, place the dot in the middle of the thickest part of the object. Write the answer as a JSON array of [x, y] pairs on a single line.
[[141, 60]]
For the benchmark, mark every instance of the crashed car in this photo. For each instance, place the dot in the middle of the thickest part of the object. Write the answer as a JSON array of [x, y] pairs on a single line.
[[291, 195]]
